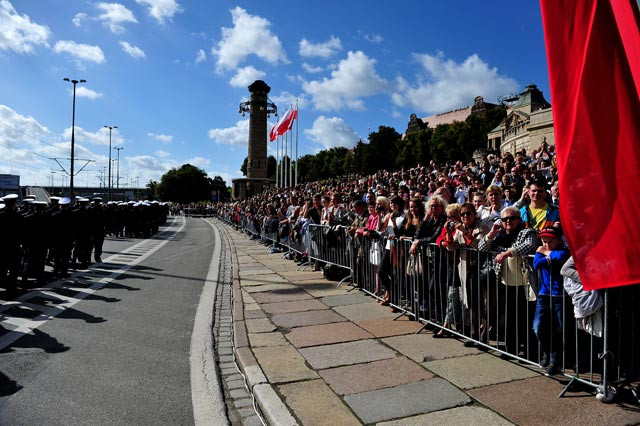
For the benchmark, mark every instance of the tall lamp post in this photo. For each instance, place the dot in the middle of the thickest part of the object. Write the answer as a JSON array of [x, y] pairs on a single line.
[[118, 170], [73, 128], [109, 178]]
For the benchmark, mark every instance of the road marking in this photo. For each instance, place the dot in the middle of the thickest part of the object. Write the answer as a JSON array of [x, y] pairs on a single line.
[[206, 394], [47, 312]]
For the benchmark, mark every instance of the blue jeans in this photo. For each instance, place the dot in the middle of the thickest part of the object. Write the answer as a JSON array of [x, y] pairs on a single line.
[[547, 324]]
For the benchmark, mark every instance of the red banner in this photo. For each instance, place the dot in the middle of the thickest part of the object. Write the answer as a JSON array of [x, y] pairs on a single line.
[[593, 51]]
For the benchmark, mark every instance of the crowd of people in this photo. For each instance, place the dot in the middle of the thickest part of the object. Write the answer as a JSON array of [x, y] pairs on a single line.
[[504, 207], [64, 234]]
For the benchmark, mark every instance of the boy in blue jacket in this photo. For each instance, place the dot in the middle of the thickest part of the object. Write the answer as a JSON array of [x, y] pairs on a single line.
[[547, 322]]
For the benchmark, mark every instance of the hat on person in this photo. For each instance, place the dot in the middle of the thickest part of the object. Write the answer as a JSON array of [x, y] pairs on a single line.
[[64, 201], [29, 197], [54, 198], [96, 199], [10, 197], [550, 231]]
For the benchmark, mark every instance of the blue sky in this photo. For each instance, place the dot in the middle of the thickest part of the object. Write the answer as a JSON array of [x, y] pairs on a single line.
[[171, 73]]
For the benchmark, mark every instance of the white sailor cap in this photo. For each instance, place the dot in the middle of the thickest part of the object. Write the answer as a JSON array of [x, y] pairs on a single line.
[[2, 206], [39, 203], [96, 199], [54, 198], [29, 197], [10, 197], [64, 201], [83, 200]]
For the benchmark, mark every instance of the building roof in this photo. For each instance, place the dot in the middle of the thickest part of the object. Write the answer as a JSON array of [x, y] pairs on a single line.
[[448, 117]]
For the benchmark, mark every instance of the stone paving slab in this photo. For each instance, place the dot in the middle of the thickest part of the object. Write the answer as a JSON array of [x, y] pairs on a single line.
[[315, 404], [422, 347], [251, 307], [267, 339], [540, 405], [460, 416], [478, 370], [281, 295], [374, 375], [283, 364], [321, 288], [326, 334], [302, 275], [260, 325], [348, 299], [247, 298], [364, 311], [250, 272], [268, 287], [406, 400], [258, 313], [349, 353], [385, 327], [301, 319], [295, 306], [257, 280]]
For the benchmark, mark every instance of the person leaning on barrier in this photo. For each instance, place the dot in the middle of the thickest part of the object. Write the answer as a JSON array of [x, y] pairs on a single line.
[[392, 222], [432, 225], [512, 240], [465, 239]]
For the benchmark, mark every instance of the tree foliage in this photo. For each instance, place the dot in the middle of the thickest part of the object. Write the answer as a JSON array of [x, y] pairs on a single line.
[[189, 184], [271, 166], [387, 149]]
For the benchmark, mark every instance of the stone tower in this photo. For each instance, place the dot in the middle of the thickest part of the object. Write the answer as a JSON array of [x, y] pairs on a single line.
[[257, 158], [259, 107]]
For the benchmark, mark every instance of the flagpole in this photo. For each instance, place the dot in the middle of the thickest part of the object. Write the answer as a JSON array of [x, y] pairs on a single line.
[[297, 118], [290, 155], [277, 155]]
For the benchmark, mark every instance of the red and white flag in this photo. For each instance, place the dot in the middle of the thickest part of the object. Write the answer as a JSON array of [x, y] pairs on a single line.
[[593, 51]]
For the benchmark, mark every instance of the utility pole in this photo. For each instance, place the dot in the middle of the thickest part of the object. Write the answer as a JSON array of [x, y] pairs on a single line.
[[109, 180], [73, 130]]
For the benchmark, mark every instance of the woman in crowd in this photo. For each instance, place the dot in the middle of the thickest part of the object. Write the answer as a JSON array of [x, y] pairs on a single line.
[[465, 240], [449, 280], [394, 229]]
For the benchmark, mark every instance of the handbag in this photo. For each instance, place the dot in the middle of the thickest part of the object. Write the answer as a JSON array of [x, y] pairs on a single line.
[[375, 253], [414, 265]]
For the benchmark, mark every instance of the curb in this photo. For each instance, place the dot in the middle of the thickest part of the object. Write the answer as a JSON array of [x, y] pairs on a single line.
[[274, 411]]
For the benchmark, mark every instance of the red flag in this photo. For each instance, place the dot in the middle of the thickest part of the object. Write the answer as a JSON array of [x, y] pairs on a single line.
[[286, 122], [593, 50]]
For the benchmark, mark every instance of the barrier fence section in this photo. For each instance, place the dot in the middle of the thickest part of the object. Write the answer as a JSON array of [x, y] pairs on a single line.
[[458, 292]]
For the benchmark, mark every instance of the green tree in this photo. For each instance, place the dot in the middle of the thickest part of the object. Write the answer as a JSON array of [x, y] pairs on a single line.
[[219, 189], [271, 166], [186, 184]]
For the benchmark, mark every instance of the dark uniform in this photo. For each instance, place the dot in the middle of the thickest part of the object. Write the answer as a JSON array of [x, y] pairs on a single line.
[[97, 216], [62, 237], [11, 229]]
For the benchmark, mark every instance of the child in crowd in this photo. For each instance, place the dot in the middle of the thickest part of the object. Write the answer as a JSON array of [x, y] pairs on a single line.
[[547, 322]]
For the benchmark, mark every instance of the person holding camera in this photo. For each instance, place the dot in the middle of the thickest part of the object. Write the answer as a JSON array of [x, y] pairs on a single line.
[[392, 224]]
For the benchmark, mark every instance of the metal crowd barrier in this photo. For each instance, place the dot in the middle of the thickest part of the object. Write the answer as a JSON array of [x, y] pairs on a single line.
[[458, 292]]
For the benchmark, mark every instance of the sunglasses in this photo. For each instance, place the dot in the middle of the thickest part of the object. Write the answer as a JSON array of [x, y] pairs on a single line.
[[465, 214], [509, 218]]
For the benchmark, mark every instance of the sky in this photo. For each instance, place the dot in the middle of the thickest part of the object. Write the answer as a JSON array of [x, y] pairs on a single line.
[[171, 74]]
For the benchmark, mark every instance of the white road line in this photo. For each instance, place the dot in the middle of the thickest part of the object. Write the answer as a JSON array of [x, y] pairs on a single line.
[[49, 312], [206, 394]]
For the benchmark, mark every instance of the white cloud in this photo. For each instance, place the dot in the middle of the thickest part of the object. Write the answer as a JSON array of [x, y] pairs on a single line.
[[322, 50], [250, 35], [245, 76], [161, 137], [114, 15], [80, 52], [146, 162], [198, 162], [79, 18], [200, 56], [332, 132], [162, 154], [17, 32], [19, 130], [286, 99], [83, 92], [161, 9], [99, 137], [236, 135], [354, 78], [311, 69], [446, 84], [131, 50], [374, 38]]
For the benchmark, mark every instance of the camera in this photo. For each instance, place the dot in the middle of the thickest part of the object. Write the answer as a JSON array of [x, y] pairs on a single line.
[[451, 225]]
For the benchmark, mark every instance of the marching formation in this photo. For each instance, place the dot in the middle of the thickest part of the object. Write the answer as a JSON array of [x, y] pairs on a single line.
[[65, 234]]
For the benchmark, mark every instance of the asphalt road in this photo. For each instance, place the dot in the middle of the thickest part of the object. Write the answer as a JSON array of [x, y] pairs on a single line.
[[121, 354]]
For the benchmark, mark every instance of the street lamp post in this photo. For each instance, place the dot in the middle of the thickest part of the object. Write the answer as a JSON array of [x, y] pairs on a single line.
[[73, 127], [118, 170], [109, 178]]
